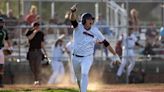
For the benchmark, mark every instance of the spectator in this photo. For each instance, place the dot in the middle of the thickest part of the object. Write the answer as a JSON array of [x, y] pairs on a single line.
[[53, 21], [31, 17], [2, 15], [22, 23], [11, 23], [152, 35]]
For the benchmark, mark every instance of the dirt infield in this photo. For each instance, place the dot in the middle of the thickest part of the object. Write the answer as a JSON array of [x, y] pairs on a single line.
[[132, 88], [92, 87]]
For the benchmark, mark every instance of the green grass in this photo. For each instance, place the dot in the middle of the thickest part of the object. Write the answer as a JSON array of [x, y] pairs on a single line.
[[7, 91], [60, 90], [45, 90]]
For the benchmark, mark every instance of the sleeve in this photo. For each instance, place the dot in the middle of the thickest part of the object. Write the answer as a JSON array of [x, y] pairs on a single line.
[[29, 32]]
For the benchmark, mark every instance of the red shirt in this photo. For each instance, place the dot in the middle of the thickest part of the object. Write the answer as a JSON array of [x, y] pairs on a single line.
[[30, 18]]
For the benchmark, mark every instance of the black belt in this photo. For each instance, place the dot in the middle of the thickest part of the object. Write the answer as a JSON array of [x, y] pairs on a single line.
[[77, 55], [34, 49]]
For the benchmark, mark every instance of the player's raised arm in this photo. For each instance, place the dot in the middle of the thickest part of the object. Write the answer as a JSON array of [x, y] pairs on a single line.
[[72, 16]]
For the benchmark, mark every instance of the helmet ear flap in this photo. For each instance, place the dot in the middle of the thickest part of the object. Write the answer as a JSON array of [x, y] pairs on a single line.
[[83, 21]]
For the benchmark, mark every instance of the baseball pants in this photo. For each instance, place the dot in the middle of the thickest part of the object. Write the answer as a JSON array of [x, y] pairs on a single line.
[[130, 60], [35, 58], [81, 66], [58, 71]]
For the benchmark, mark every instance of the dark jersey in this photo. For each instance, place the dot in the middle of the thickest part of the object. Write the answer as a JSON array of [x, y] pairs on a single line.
[[3, 36], [35, 43]]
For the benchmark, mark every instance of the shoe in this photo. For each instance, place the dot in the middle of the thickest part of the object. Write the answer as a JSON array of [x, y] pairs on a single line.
[[78, 82], [36, 83]]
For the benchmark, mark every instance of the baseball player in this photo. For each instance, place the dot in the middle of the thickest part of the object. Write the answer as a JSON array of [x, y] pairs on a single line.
[[85, 35], [129, 41], [3, 39], [57, 64]]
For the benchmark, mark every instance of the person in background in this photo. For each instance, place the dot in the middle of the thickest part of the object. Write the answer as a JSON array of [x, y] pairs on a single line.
[[2, 14], [4, 44], [57, 61], [69, 49], [135, 20], [32, 15], [36, 43], [151, 34], [11, 23], [129, 41]]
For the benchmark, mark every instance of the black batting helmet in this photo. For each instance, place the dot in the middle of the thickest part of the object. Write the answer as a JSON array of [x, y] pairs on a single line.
[[86, 16]]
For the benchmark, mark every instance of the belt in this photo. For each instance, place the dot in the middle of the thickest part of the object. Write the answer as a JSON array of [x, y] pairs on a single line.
[[77, 55], [34, 49]]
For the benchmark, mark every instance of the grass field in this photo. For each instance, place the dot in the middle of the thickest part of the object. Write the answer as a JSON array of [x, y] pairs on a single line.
[[43, 90], [149, 87]]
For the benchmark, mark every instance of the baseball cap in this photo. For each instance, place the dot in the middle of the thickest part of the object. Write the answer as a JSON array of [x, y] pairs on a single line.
[[36, 23]]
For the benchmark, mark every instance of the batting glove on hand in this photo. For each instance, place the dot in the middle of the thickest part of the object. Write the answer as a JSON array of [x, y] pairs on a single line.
[[116, 60]]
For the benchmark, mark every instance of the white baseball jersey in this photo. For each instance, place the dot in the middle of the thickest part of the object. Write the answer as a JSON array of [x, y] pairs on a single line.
[[128, 44], [57, 53], [84, 40]]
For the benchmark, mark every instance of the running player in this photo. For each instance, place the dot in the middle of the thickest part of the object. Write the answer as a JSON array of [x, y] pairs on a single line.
[[85, 36]]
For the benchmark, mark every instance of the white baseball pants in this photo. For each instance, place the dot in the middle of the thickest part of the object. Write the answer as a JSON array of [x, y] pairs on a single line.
[[58, 71], [81, 66], [126, 60]]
